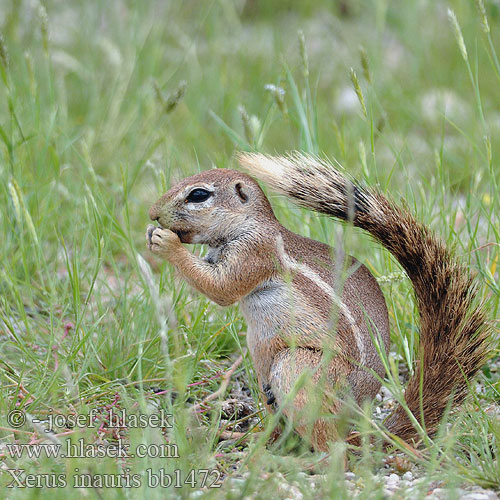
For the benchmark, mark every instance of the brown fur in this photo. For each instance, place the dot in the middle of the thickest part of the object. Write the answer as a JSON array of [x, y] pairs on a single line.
[[454, 336]]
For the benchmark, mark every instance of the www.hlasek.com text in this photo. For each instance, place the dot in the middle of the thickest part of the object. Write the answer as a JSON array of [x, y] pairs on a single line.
[[81, 449]]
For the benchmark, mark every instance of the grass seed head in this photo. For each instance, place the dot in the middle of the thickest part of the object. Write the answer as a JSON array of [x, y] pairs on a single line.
[[4, 54], [278, 94], [484, 18], [175, 97], [359, 92], [365, 64], [44, 27], [303, 54], [458, 34], [247, 126]]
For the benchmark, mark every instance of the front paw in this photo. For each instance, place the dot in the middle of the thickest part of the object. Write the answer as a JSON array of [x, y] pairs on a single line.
[[162, 242]]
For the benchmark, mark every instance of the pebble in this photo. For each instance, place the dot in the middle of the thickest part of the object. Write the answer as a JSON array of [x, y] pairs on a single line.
[[290, 492], [391, 484], [392, 481], [484, 495], [197, 494], [477, 494]]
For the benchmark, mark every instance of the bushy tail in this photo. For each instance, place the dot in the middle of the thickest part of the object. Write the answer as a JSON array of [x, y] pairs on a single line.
[[454, 337]]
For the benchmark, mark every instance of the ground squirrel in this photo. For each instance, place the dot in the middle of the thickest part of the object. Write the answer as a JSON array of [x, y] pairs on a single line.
[[287, 289]]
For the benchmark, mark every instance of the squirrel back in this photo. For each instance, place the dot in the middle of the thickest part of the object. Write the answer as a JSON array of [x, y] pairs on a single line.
[[454, 335]]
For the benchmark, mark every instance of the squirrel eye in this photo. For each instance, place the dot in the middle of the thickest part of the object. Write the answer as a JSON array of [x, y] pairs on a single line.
[[198, 195]]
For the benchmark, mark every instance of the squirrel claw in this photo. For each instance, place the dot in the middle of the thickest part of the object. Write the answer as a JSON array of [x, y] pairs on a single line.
[[149, 234], [271, 399]]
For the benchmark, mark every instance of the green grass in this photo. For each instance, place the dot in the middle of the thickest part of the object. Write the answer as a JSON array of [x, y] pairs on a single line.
[[103, 105]]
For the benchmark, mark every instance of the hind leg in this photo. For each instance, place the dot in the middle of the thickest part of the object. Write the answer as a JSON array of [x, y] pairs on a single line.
[[315, 404]]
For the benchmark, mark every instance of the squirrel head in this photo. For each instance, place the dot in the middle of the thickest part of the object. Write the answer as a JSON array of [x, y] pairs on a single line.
[[212, 207]]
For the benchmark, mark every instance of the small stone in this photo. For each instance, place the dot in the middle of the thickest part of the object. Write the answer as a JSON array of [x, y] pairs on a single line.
[[386, 394], [480, 495], [392, 482], [237, 481], [350, 476], [408, 476], [197, 494], [393, 478]]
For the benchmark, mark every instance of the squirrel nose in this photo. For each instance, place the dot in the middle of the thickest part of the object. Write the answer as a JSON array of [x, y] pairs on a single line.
[[154, 213]]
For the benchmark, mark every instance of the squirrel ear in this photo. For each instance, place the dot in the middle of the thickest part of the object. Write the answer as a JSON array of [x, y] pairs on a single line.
[[242, 191]]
